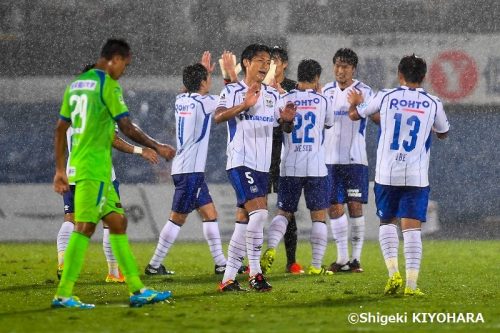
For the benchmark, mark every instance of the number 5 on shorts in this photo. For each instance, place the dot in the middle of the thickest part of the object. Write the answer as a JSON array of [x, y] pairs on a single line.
[[249, 177]]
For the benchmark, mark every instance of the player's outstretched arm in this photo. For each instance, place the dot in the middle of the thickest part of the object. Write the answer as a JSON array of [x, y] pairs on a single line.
[[147, 153], [224, 114], [228, 67], [60, 182], [206, 61], [133, 132]]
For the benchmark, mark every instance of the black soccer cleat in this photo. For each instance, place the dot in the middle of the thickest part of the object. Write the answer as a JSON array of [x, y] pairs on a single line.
[[355, 266], [258, 283], [339, 268], [244, 269], [150, 270], [231, 285]]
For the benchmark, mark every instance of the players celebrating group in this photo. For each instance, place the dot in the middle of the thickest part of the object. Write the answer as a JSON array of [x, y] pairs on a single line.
[[321, 138]]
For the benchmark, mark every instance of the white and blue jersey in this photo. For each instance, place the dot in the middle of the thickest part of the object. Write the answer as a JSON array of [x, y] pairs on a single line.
[[193, 118], [407, 118], [345, 141], [250, 134], [303, 151]]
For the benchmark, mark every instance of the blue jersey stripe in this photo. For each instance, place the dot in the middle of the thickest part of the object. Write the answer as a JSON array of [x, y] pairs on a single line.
[[99, 195], [121, 115], [102, 79], [68, 120]]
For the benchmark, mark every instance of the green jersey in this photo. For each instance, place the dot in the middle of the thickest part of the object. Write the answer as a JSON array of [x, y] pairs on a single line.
[[92, 103]]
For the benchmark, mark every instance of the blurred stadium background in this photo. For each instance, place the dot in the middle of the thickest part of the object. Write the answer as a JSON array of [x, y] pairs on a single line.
[[44, 43]]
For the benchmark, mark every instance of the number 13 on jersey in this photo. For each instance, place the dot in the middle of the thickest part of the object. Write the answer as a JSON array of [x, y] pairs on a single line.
[[414, 124]]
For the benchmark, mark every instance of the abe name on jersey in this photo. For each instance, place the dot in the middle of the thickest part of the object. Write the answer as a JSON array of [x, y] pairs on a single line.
[[407, 119]]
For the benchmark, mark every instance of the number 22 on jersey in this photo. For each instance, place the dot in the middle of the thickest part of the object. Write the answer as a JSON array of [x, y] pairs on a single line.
[[309, 117]]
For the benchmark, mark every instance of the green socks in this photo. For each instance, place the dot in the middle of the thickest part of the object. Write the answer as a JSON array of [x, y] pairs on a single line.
[[75, 255], [126, 261], [73, 262]]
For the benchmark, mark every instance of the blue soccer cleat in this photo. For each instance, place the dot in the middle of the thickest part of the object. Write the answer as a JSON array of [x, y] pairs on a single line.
[[72, 302], [149, 296]]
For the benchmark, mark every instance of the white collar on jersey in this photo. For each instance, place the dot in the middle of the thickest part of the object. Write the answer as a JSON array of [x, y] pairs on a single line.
[[353, 84], [242, 82], [305, 90], [417, 89]]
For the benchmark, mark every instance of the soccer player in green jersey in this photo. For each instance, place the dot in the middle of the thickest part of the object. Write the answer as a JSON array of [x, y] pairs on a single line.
[[92, 104]]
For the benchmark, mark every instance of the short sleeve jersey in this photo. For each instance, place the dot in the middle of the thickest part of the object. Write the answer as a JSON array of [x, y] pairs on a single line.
[[250, 133], [92, 103], [407, 118], [69, 135], [345, 141], [303, 152], [193, 118]]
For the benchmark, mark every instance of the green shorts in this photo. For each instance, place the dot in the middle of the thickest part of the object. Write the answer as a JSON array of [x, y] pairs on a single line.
[[94, 200]]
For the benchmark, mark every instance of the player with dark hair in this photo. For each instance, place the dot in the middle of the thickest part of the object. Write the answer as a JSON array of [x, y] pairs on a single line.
[[193, 116], [92, 105], [280, 58], [303, 166], [413, 69], [251, 109], [347, 163], [408, 117], [67, 227]]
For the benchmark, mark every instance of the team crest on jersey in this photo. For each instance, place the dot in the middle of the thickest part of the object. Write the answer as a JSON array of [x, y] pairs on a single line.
[[269, 102], [254, 189], [222, 97]]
